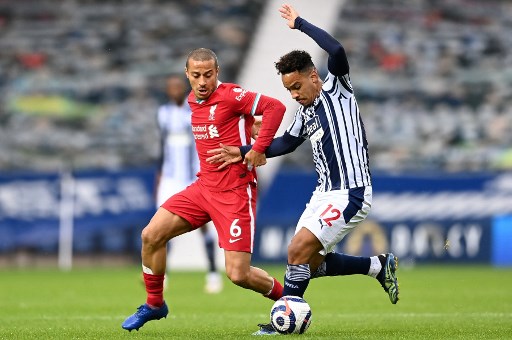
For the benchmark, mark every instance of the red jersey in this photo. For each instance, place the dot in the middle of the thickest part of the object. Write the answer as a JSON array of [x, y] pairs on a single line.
[[227, 117]]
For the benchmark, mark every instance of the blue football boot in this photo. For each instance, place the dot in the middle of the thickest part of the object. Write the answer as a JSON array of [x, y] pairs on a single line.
[[144, 314], [265, 329]]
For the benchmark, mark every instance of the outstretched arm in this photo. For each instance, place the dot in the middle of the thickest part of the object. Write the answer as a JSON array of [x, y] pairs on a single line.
[[226, 154], [338, 62], [279, 146], [272, 111]]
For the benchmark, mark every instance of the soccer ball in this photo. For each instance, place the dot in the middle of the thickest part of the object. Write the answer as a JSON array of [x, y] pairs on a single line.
[[290, 315]]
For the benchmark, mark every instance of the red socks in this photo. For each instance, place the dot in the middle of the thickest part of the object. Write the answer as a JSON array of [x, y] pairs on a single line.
[[277, 291], [154, 288]]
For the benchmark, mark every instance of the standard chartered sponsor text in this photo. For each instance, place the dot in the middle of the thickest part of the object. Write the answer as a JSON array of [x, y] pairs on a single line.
[[199, 128]]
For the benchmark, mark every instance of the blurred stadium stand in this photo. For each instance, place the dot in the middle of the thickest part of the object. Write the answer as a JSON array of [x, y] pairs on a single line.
[[433, 81], [81, 80]]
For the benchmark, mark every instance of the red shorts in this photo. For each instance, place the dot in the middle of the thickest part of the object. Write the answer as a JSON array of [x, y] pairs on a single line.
[[233, 212]]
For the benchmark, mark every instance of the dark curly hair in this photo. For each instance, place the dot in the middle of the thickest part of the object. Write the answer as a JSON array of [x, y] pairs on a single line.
[[294, 61]]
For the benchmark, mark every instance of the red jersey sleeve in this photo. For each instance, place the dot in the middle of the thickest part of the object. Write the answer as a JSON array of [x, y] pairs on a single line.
[[273, 111], [252, 103]]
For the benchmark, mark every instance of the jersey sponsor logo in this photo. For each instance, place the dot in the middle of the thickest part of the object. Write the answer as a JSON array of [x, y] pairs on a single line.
[[198, 128], [233, 240], [241, 95], [204, 132], [212, 112], [314, 129], [212, 129], [199, 132]]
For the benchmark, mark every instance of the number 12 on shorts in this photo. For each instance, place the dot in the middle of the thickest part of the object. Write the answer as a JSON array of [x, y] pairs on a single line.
[[329, 215]]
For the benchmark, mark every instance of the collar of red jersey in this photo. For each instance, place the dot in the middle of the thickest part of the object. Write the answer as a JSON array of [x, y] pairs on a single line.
[[200, 101]]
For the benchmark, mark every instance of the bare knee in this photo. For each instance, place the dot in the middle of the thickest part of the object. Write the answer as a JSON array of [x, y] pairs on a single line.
[[163, 226], [151, 238]]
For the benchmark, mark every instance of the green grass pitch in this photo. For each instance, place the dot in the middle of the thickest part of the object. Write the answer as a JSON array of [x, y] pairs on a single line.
[[436, 302]]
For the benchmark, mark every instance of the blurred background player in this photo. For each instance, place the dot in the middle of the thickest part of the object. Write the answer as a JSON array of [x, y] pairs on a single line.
[[179, 163]]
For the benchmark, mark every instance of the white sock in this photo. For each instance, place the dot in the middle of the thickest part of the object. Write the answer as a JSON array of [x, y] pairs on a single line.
[[375, 267]]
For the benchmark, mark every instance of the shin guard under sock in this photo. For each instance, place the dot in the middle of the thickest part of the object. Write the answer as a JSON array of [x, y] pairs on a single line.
[[154, 288], [296, 279]]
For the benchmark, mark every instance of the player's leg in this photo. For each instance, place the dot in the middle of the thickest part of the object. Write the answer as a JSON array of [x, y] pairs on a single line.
[[354, 211], [178, 215], [381, 267], [302, 249], [164, 226], [321, 226], [241, 273], [339, 264], [305, 261], [167, 186], [209, 245], [213, 278], [233, 214]]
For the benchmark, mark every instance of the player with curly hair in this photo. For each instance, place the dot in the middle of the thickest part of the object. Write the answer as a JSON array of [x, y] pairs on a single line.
[[329, 117]]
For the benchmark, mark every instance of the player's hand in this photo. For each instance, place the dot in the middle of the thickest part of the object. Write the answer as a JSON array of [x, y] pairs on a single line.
[[256, 126], [254, 159], [289, 13], [225, 154]]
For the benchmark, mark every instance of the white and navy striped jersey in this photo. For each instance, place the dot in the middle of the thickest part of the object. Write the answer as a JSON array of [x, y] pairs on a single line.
[[332, 123], [179, 155], [336, 131]]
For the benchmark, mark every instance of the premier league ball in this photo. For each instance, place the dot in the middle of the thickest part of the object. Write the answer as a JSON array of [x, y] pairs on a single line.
[[290, 315]]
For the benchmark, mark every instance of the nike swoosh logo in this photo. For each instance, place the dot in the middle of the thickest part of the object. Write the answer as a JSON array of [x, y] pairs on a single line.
[[231, 240], [288, 310]]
